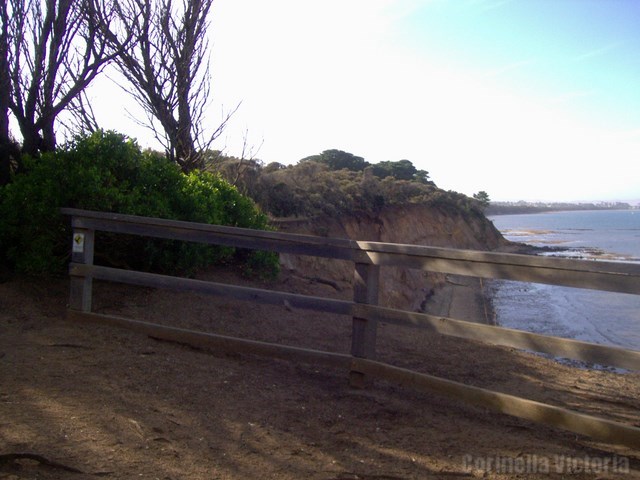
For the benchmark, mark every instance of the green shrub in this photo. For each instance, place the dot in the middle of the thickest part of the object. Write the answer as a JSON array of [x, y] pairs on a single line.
[[107, 172]]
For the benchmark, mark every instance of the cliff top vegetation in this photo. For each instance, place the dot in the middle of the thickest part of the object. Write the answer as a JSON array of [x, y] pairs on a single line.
[[336, 182]]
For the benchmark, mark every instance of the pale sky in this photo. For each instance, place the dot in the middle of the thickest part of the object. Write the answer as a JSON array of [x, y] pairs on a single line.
[[525, 99]]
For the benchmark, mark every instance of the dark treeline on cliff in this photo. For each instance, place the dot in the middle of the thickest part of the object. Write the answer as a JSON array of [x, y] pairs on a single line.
[[514, 208], [335, 182]]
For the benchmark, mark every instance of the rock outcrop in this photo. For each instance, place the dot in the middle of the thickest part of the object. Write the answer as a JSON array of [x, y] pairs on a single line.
[[408, 289]]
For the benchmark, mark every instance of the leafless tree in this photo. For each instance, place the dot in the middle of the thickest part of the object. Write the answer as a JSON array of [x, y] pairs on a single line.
[[246, 168], [167, 68], [54, 52]]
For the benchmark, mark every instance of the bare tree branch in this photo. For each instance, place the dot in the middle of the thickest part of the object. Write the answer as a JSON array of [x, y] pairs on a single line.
[[56, 53], [83, 118], [167, 67], [247, 159]]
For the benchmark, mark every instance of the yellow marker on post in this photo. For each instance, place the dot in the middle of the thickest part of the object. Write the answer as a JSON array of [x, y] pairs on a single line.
[[78, 243]]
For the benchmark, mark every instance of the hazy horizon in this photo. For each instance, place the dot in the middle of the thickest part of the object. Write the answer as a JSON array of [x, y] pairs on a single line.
[[632, 202]]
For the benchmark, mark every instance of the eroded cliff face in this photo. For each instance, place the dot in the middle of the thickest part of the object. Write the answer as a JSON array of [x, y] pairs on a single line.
[[407, 289]]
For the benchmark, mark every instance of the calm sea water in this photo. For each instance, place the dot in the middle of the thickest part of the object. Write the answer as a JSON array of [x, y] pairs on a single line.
[[593, 316]]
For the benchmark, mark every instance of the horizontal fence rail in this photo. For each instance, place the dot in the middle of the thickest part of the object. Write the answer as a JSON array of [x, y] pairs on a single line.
[[365, 313], [608, 276], [559, 347]]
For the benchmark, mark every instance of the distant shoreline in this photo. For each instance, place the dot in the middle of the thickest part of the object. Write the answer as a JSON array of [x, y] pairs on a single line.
[[502, 209]]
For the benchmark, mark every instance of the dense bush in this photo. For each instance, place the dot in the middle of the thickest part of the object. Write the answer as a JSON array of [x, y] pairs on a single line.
[[107, 172], [312, 188]]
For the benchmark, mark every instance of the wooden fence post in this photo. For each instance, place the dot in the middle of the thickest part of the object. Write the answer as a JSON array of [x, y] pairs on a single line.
[[81, 286], [363, 339]]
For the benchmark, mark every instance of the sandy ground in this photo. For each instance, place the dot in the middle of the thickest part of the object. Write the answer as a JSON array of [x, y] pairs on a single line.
[[85, 401]]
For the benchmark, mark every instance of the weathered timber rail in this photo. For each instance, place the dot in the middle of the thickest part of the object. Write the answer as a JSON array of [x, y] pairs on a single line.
[[367, 258]]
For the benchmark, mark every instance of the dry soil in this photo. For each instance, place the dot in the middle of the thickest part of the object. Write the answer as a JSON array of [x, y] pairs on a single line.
[[79, 400]]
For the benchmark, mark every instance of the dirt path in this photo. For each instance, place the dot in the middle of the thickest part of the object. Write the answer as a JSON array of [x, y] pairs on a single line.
[[113, 404]]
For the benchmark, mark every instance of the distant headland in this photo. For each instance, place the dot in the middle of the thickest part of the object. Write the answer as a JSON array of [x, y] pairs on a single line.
[[514, 208]]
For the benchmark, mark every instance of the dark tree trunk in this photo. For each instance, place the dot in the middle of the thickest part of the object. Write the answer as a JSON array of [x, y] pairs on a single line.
[[48, 139], [5, 165], [31, 142], [5, 85]]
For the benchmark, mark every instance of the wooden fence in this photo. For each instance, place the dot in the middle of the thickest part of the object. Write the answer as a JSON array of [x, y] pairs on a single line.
[[368, 257]]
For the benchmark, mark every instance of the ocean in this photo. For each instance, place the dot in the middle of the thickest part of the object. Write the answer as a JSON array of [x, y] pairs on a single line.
[[588, 315]]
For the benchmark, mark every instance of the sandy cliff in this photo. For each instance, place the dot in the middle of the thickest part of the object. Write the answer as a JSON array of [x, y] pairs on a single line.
[[410, 224]]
